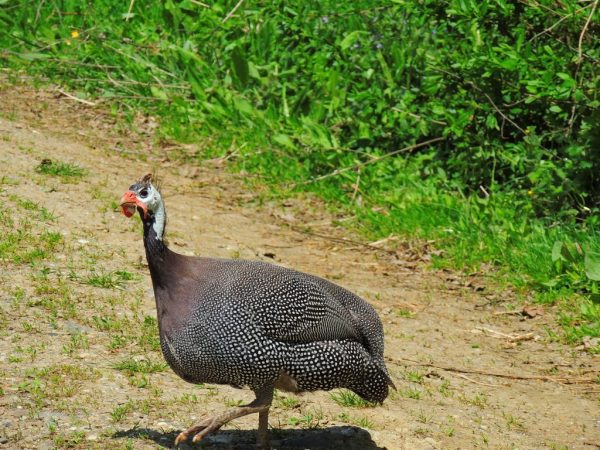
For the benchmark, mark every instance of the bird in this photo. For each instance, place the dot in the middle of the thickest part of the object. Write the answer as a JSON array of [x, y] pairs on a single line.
[[253, 324]]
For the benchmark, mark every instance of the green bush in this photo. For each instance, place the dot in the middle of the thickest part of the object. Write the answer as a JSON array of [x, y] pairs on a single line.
[[510, 85], [334, 97]]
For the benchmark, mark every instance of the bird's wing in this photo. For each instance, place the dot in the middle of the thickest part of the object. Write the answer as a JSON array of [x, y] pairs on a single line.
[[295, 308]]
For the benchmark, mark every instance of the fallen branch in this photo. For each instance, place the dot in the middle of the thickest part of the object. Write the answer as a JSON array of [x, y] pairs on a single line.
[[128, 15], [583, 31], [509, 313], [579, 60], [555, 24], [371, 161], [554, 379], [341, 240], [77, 99], [232, 12], [475, 381], [500, 335], [391, 237]]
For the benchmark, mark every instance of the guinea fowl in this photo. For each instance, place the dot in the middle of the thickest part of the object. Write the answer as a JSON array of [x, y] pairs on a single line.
[[254, 324]]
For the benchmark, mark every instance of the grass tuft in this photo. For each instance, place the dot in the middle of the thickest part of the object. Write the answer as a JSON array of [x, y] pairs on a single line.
[[60, 169], [108, 280], [132, 366], [507, 184], [344, 397]]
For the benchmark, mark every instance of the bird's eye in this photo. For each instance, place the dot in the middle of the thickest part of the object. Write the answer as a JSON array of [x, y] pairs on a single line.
[[144, 193]]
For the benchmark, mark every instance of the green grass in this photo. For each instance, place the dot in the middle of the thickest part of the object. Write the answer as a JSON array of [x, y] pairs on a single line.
[[60, 169], [78, 341], [415, 394], [513, 422], [141, 366], [43, 215], [413, 376], [120, 412], [324, 98], [289, 401], [72, 439], [344, 397], [149, 338], [480, 400], [108, 280], [310, 419], [362, 422], [24, 234]]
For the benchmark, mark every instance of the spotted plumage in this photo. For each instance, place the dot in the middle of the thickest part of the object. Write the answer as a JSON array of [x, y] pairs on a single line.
[[254, 324]]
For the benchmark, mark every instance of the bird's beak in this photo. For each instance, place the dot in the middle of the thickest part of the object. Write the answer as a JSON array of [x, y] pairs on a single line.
[[129, 203]]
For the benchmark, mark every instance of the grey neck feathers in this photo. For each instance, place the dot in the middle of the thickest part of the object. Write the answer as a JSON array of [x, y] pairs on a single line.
[[154, 229], [160, 217]]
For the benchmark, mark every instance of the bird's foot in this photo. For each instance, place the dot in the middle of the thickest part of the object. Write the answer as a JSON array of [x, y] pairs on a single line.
[[199, 431], [260, 405]]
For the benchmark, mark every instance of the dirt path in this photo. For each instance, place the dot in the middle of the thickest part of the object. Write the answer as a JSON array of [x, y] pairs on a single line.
[[80, 367]]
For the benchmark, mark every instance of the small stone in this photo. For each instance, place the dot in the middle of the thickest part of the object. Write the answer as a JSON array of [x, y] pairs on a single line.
[[75, 328], [165, 425], [432, 443]]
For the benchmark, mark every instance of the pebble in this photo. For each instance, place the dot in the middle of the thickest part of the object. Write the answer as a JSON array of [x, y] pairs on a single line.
[[432, 443], [165, 425], [74, 328]]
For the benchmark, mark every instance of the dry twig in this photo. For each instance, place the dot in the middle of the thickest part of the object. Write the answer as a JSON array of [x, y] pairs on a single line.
[[508, 313], [509, 337], [554, 379], [129, 10], [583, 31], [340, 240], [579, 59], [77, 99], [371, 161], [196, 2], [558, 22], [475, 381], [232, 12]]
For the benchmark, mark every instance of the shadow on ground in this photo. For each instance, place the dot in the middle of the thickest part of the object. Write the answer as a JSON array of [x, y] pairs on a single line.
[[345, 437]]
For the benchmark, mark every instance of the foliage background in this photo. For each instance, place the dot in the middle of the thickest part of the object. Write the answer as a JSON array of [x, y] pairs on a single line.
[[470, 123]]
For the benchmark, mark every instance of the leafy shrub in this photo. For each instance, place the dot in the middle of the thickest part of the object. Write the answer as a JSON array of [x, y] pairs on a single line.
[[333, 96], [510, 85]]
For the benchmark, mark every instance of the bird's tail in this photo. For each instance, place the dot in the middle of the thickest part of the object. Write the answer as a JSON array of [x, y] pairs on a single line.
[[373, 385]]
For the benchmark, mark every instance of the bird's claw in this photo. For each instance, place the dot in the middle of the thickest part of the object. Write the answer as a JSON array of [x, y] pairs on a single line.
[[181, 437], [199, 431], [209, 426]]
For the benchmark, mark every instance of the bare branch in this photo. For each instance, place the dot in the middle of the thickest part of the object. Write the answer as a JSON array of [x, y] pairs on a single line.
[[77, 99], [232, 12], [371, 161]]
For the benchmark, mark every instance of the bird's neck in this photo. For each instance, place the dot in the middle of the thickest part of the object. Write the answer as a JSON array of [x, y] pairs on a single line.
[[159, 220], [156, 250]]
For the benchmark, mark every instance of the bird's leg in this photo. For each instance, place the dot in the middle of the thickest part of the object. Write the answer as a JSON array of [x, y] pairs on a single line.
[[260, 405], [263, 429]]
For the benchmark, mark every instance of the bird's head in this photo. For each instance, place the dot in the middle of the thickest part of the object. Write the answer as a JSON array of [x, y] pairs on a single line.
[[143, 196]]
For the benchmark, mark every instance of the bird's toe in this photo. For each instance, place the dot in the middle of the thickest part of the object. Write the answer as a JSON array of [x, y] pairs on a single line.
[[208, 426]]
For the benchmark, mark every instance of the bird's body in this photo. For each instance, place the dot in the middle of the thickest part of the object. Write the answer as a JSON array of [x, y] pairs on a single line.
[[254, 324]]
